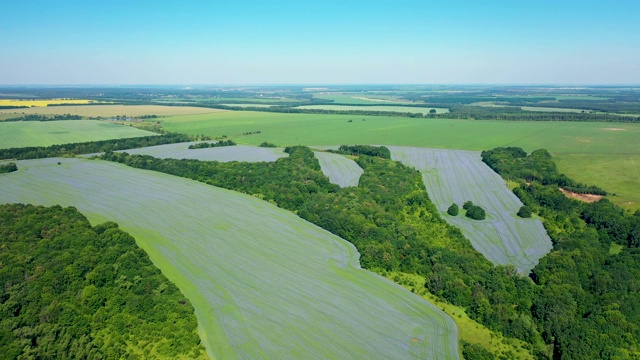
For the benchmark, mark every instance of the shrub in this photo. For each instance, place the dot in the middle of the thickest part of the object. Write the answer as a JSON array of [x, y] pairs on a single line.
[[453, 210], [524, 212]]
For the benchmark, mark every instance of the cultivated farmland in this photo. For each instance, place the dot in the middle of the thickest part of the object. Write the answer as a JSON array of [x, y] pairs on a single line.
[[244, 153], [403, 109], [339, 169], [112, 110], [264, 283], [560, 138], [40, 102], [454, 176], [45, 133]]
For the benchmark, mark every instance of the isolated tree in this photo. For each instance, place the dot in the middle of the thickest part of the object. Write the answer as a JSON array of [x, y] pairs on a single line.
[[453, 210], [432, 111], [524, 212]]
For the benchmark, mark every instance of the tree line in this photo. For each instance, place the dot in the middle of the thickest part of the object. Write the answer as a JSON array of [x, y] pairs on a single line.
[[94, 146]]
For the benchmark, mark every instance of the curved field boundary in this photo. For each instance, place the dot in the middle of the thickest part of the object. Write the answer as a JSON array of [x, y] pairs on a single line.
[[46, 133], [339, 169], [224, 154], [457, 176], [264, 283]]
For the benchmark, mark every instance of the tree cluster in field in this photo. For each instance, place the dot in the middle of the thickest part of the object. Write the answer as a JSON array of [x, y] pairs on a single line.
[[7, 168], [267, 145], [92, 147], [73, 291], [453, 210], [587, 303], [252, 132], [474, 212], [205, 145], [369, 150], [513, 163], [35, 117]]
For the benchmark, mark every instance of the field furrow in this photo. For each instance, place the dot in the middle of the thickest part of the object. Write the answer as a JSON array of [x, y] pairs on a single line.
[[264, 283], [243, 153], [456, 176]]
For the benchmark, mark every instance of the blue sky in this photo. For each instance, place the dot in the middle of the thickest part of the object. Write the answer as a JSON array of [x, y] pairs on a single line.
[[320, 42]]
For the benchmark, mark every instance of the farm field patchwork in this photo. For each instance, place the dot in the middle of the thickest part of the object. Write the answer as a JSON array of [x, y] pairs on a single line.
[[339, 169], [43, 102], [264, 283], [314, 129], [45, 133], [406, 109], [456, 176], [111, 110], [619, 174], [346, 98], [244, 153]]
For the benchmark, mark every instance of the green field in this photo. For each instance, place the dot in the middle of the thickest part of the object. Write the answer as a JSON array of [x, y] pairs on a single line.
[[409, 109], [456, 176], [561, 138], [264, 283], [45, 133], [110, 110], [621, 173]]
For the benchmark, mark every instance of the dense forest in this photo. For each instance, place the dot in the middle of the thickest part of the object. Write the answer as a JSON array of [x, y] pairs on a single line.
[[395, 227], [73, 291], [588, 301]]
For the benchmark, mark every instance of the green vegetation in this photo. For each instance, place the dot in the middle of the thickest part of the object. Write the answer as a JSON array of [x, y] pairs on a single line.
[[456, 176], [75, 291], [389, 219], [587, 152], [585, 307], [524, 212], [474, 212], [387, 108], [44, 118], [91, 147], [369, 150], [453, 210], [266, 144], [513, 163], [7, 168], [225, 153], [206, 145], [37, 133], [261, 280], [107, 111]]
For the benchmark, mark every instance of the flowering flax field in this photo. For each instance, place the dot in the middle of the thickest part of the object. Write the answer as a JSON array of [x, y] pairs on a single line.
[[339, 169], [264, 283], [456, 176], [224, 154]]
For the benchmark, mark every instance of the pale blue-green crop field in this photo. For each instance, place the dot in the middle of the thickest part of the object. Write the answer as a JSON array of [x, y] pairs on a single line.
[[264, 283]]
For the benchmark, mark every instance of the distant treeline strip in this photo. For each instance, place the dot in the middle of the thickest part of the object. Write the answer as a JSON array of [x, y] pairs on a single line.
[[94, 146], [35, 117], [456, 112]]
